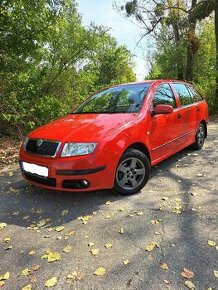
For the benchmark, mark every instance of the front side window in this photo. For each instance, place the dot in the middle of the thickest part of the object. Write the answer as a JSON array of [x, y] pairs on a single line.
[[118, 99], [164, 96], [185, 97]]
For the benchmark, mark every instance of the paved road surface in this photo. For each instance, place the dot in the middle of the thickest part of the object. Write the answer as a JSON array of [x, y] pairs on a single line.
[[180, 200]]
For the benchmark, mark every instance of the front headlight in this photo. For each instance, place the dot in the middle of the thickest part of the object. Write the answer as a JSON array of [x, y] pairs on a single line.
[[25, 141], [76, 149]]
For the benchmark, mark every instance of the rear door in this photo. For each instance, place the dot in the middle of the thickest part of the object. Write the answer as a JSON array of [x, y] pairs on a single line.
[[188, 110], [165, 128]]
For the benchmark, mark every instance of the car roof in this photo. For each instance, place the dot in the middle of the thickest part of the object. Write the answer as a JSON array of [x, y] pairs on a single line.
[[157, 81]]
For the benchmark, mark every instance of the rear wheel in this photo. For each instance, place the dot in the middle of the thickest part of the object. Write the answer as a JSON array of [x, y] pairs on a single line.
[[132, 172], [199, 138]]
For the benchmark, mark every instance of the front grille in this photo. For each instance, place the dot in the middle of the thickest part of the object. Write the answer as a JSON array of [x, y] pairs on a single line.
[[42, 147], [41, 180]]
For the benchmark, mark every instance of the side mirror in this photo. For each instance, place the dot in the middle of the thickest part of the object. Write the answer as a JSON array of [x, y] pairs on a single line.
[[163, 109]]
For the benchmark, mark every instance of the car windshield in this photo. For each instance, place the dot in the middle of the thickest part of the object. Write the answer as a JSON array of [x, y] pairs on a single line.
[[118, 99]]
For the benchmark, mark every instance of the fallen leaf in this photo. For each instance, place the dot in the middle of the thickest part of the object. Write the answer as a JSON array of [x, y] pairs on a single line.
[[6, 239], [121, 231], [108, 202], [150, 247], [2, 226], [75, 276], [186, 273], [27, 287], [32, 252], [154, 222], [189, 285], [166, 281], [211, 243], [85, 218], [64, 212], [95, 252], [59, 229], [52, 257], [8, 248], [51, 282], [126, 262], [157, 233], [139, 213], [108, 245], [70, 233], [26, 272], [67, 249], [215, 273], [41, 223], [2, 283], [165, 198], [100, 271], [35, 268], [91, 244], [164, 266], [5, 276]]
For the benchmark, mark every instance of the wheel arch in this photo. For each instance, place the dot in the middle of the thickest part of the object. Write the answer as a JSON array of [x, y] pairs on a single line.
[[141, 147], [205, 126]]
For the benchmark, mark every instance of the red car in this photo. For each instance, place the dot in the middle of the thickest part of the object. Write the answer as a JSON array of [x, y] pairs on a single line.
[[113, 138]]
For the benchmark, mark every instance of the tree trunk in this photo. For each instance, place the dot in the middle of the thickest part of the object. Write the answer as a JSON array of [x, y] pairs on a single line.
[[216, 35], [192, 46]]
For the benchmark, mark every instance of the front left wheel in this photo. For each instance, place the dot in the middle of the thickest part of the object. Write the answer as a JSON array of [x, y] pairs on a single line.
[[132, 172]]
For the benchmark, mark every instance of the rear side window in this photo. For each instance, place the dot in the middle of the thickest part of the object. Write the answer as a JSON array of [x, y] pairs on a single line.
[[197, 97], [184, 95], [164, 96]]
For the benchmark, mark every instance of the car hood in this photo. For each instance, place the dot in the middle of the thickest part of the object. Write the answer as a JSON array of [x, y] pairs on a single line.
[[84, 127]]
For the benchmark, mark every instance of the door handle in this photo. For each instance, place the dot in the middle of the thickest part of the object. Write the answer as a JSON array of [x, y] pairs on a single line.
[[179, 116]]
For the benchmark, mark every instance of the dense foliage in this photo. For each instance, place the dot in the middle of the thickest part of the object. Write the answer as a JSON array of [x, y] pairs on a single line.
[[186, 42], [49, 62]]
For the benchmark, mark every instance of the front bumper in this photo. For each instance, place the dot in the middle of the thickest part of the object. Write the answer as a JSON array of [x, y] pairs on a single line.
[[71, 173]]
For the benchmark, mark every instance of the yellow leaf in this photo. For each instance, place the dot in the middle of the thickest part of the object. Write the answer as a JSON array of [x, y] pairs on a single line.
[[25, 272], [121, 231], [8, 248], [166, 281], [108, 245], [164, 266], [59, 229], [95, 252], [2, 226], [150, 247], [27, 287], [70, 233], [186, 273], [126, 262], [85, 218], [100, 271], [154, 222], [139, 213], [52, 257], [32, 252], [6, 239], [189, 285], [64, 212], [51, 282], [41, 223], [2, 283], [108, 202], [215, 273], [75, 276], [5, 276], [211, 243], [67, 249]]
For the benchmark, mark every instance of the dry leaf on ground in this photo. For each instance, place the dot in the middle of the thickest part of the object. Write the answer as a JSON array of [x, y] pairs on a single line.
[[51, 282], [100, 271], [186, 273]]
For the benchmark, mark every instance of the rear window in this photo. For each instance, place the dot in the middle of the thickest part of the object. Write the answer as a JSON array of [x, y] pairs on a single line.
[[197, 97], [186, 98]]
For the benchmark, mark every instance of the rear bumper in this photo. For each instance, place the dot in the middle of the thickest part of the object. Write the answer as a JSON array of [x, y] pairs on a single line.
[[70, 174]]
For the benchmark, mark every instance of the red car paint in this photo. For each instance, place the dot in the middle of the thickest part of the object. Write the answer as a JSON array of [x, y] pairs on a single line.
[[161, 134]]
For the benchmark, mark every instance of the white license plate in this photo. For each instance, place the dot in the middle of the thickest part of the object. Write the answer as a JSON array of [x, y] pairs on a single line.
[[35, 169]]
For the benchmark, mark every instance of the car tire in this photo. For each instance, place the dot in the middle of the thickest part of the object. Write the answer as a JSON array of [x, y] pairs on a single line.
[[199, 137], [132, 172]]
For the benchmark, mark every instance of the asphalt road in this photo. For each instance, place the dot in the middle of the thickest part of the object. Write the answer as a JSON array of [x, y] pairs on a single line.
[[177, 211]]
